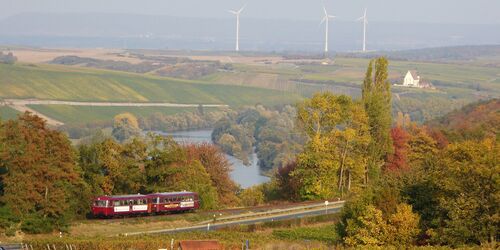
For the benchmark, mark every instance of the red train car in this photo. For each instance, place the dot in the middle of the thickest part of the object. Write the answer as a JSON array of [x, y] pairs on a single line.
[[125, 205], [175, 202], [109, 206]]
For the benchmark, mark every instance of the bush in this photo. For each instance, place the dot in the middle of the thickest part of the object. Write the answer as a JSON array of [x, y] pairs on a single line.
[[35, 224], [325, 234], [252, 196]]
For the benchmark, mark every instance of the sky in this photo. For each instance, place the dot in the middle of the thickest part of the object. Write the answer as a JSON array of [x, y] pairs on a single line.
[[426, 11]]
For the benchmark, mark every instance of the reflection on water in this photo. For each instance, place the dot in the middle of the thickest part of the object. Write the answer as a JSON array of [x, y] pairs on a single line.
[[246, 176]]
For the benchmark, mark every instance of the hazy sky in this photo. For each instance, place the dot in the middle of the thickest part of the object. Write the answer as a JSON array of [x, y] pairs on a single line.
[[435, 11]]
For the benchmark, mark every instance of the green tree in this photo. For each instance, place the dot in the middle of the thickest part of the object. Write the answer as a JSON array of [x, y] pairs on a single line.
[[376, 96]]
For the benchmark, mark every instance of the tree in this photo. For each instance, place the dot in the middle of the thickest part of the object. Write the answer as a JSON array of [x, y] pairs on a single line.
[[403, 226], [467, 175], [218, 168], [368, 229], [113, 168], [125, 126], [376, 96], [40, 178], [334, 157], [398, 160], [169, 169], [252, 196]]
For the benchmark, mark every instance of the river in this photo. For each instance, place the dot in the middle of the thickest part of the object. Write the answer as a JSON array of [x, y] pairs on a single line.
[[245, 176]]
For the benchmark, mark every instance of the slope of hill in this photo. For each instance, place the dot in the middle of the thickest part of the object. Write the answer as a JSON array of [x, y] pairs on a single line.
[[476, 120], [81, 84]]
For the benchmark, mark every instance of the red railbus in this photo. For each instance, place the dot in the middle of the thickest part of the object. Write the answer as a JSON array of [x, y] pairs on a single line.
[[175, 202], [125, 205]]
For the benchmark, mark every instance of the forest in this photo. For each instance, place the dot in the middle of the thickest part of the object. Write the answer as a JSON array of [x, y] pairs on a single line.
[[406, 184]]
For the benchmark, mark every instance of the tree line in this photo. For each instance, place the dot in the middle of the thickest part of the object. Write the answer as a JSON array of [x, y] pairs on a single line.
[[46, 182]]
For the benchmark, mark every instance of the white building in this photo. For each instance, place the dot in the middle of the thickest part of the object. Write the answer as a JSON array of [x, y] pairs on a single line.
[[412, 79]]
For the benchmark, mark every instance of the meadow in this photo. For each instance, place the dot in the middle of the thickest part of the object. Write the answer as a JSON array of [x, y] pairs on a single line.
[[89, 114]]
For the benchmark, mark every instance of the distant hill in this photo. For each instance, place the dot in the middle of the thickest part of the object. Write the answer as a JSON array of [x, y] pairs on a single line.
[[82, 84], [473, 121]]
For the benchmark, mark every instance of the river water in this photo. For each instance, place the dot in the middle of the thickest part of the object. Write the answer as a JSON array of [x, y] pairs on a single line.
[[245, 176]]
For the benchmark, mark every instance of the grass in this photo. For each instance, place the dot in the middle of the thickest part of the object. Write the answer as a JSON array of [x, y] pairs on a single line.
[[324, 234], [316, 232], [7, 113], [83, 84], [88, 114]]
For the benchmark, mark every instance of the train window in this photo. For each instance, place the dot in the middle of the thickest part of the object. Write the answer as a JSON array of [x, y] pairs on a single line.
[[101, 203], [116, 203]]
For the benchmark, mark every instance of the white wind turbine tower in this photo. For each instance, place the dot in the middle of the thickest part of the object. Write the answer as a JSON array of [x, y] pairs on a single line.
[[237, 13], [326, 19], [365, 21]]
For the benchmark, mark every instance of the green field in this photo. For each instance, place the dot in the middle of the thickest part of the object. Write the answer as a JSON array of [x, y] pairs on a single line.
[[82, 84], [7, 113], [87, 114]]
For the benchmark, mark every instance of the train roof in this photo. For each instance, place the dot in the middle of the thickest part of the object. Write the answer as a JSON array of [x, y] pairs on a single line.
[[128, 196], [141, 196], [174, 193]]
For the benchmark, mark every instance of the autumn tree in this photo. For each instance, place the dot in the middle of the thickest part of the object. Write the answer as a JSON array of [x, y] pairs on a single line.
[[218, 168], [334, 158], [376, 96], [125, 126], [113, 168], [398, 159], [467, 177], [169, 169], [367, 229], [40, 177]]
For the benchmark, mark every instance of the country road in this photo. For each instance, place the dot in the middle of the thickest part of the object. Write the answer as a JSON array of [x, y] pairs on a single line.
[[277, 215], [21, 105]]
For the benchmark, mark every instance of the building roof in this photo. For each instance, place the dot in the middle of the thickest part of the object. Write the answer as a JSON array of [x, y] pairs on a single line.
[[413, 73], [199, 245]]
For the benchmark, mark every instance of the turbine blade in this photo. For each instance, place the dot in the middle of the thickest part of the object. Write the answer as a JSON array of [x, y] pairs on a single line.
[[323, 20], [232, 12], [360, 19], [242, 8], [324, 9], [330, 16]]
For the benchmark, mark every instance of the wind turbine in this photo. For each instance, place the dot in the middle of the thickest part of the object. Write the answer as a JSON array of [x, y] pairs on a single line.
[[326, 20], [237, 13], [365, 21]]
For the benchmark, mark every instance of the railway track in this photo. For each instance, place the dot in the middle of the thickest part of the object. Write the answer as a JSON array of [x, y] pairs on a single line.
[[225, 212]]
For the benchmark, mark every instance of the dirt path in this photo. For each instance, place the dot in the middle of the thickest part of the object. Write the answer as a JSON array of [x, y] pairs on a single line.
[[21, 106]]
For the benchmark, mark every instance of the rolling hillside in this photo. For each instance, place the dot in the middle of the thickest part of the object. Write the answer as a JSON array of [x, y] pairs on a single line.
[[81, 84]]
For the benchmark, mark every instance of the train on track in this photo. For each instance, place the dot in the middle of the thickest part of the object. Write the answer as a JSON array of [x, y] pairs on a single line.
[[144, 204]]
